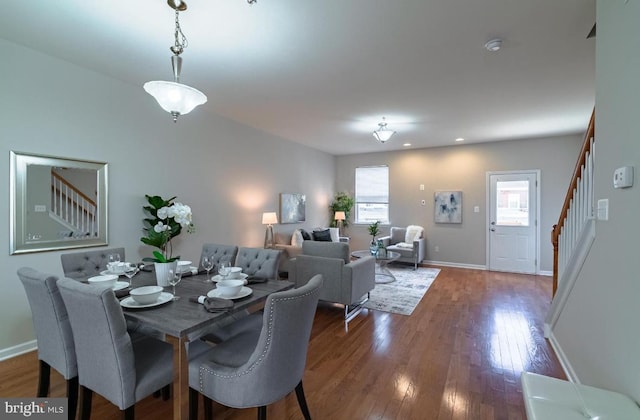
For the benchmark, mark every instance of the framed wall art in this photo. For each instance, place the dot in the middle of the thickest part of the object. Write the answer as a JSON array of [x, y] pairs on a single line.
[[448, 207], [292, 208]]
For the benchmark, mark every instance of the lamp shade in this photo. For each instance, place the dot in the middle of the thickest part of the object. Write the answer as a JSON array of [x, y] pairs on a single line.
[[175, 97], [269, 218], [383, 135], [340, 215]]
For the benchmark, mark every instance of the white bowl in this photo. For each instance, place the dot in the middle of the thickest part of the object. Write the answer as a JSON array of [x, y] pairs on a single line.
[[229, 288], [146, 294], [235, 272], [184, 266], [105, 281]]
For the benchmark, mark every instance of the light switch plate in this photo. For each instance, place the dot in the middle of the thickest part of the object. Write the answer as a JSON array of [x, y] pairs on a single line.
[[623, 177], [603, 209]]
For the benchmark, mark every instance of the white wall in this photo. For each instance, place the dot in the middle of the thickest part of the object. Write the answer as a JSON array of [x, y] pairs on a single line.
[[228, 173], [598, 328], [464, 167]]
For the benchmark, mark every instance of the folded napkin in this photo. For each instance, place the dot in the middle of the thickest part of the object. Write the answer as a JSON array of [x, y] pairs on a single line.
[[122, 293], [212, 304], [254, 280]]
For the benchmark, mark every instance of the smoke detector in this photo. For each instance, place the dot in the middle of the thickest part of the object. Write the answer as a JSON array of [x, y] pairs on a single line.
[[493, 45]]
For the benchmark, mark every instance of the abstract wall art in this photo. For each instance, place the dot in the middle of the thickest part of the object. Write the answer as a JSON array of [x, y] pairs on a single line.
[[448, 207], [292, 208]]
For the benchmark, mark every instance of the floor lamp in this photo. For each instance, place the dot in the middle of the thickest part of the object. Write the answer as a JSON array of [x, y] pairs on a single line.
[[269, 219], [340, 217]]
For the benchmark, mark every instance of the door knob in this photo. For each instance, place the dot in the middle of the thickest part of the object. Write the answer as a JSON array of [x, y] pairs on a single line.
[[493, 229], [493, 223]]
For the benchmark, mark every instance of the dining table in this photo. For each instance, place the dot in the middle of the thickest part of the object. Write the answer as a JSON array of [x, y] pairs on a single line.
[[183, 320]]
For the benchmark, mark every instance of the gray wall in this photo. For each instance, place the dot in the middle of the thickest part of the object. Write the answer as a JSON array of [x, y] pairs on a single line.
[[464, 167], [228, 173], [598, 328]]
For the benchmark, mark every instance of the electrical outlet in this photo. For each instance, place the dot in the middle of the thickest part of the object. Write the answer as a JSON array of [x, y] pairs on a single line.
[[436, 248], [40, 208]]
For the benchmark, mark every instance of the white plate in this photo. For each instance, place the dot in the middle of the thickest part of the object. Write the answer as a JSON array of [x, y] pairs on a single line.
[[218, 277], [128, 302], [108, 273], [244, 292], [120, 285]]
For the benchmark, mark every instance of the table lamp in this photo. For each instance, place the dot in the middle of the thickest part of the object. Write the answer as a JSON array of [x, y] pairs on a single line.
[[340, 217], [269, 219]]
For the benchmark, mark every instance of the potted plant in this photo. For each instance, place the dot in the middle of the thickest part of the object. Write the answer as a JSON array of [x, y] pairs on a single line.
[[374, 230], [165, 221], [341, 202]]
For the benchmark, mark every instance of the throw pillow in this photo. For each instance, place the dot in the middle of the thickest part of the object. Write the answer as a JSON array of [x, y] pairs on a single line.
[[305, 235], [413, 233], [322, 235], [296, 238]]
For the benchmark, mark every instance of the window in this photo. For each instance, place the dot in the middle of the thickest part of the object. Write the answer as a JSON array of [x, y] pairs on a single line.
[[372, 194]]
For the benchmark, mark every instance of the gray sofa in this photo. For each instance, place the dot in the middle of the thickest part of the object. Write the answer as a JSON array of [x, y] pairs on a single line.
[[290, 249], [412, 252], [346, 282]]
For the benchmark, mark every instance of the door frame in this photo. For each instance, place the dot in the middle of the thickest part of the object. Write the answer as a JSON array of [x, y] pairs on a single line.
[[488, 216]]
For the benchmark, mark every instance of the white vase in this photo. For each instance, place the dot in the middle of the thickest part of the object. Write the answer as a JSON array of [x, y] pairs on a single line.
[[162, 272]]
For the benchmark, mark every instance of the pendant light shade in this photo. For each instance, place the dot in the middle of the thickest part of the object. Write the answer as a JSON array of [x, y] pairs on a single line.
[[382, 134], [175, 98]]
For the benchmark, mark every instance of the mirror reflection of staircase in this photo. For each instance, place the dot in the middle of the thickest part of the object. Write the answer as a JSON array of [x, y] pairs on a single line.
[[72, 209]]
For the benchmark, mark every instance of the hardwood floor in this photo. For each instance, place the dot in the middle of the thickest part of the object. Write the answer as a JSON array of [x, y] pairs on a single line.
[[458, 356]]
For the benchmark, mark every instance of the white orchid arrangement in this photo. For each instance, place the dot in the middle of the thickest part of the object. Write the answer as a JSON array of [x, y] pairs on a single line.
[[166, 221]]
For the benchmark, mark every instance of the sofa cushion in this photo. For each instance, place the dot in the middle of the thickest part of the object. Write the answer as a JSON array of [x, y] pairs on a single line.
[[413, 233], [296, 238], [306, 236], [322, 235]]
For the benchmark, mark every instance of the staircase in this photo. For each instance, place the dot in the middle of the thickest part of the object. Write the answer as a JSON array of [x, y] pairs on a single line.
[[72, 208], [574, 233]]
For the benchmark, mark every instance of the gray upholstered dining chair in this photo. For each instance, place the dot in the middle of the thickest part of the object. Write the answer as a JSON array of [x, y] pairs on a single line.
[[80, 265], [259, 262], [53, 333], [218, 252], [122, 370], [257, 368]]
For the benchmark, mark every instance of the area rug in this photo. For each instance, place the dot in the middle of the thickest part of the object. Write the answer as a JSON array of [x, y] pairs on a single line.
[[404, 294]]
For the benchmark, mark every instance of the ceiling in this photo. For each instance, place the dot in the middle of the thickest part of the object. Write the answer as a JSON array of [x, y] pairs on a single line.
[[324, 73]]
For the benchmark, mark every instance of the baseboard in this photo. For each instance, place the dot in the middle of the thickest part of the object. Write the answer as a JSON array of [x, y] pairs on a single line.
[[455, 265], [545, 273], [562, 357], [14, 351]]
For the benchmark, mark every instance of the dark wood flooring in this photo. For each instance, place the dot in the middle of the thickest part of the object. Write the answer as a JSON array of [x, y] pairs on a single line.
[[458, 356]]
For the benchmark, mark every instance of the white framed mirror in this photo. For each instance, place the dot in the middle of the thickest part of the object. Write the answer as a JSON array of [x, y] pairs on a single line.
[[56, 203]]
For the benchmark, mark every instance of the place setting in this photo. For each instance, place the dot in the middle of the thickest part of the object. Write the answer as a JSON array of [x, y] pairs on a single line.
[[230, 282], [151, 296]]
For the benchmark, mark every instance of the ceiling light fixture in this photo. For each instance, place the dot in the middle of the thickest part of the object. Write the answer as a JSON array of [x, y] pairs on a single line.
[[175, 97], [382, 134], [493, 45]]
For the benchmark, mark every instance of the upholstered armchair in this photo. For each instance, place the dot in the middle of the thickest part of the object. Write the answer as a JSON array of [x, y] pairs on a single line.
[[409, 242], [346, 282]]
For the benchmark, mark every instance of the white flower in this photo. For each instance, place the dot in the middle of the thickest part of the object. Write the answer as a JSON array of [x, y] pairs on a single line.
[[163, 213], [181, 214], [160, 227]]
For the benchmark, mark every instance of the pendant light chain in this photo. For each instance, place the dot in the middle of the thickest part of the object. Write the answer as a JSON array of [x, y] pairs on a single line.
[[180, 39]]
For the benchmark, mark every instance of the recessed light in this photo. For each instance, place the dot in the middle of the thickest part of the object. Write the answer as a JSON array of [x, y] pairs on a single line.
[[493, 45], [407, 144], [459, 139]]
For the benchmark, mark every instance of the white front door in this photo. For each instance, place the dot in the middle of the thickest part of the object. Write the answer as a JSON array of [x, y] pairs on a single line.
[[512, 223]]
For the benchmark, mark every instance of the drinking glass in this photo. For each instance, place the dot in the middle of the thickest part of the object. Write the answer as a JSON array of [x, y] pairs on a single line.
[[224, 268], [130, 271], [174, 278], [207, 264]]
